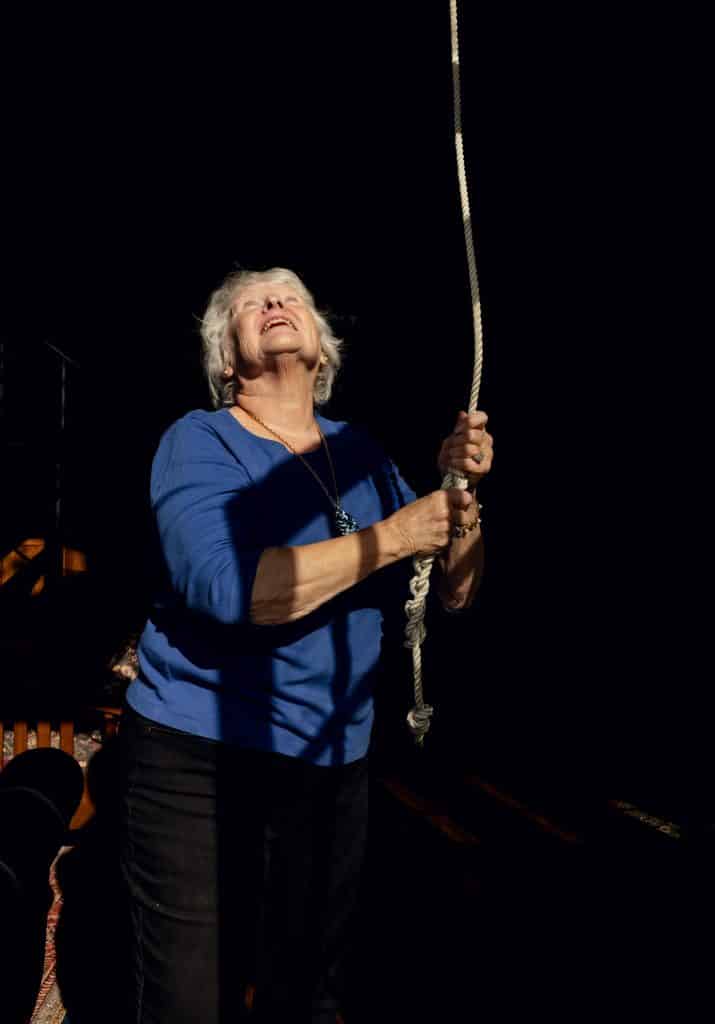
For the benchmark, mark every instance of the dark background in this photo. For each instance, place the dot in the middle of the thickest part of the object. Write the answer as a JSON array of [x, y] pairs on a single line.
[[147, 155]]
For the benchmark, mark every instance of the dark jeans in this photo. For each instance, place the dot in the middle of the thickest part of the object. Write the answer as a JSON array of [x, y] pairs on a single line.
[[243, 868]]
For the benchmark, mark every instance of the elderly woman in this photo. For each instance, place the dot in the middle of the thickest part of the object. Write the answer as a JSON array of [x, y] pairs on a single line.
[[283, 536]]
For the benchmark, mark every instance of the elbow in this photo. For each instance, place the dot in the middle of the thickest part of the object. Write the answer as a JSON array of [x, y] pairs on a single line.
[[453, 604], [458, 600]]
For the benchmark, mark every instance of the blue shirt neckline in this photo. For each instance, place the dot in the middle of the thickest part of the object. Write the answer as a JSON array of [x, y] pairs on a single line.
[[244, 430]]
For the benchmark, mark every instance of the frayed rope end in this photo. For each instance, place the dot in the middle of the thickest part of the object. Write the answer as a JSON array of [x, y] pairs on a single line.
[[418, 720]]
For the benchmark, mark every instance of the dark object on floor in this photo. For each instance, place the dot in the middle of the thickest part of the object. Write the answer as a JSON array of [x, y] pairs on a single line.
[[92, 939], [39, 792]]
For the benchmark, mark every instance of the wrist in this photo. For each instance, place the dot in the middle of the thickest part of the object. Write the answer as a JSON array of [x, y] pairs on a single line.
[[461, 531], [393, 542]]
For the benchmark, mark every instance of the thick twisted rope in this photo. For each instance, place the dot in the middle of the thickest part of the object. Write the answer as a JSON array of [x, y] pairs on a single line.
[[419, 717]]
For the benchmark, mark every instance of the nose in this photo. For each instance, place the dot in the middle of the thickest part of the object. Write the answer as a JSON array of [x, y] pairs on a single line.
[[271, 301]]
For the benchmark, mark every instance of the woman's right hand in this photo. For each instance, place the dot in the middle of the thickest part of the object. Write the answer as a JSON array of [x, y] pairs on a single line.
[[425, 525]]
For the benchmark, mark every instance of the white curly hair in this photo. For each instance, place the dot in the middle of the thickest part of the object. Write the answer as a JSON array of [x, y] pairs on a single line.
[[218, 346]]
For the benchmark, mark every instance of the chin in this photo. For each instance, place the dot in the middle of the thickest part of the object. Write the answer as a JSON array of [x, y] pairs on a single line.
[[284, 350]]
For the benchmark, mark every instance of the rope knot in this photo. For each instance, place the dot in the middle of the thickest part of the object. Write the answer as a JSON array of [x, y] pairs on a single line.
[[415, 633]]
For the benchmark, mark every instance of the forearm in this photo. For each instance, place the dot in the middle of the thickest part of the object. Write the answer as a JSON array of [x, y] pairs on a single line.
[[291, 582], [462, 568]]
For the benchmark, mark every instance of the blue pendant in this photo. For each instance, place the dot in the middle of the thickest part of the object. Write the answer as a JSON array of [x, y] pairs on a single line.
[[344, 522]]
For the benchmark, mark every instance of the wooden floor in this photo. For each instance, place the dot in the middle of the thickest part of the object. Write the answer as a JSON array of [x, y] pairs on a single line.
[[521, 915]]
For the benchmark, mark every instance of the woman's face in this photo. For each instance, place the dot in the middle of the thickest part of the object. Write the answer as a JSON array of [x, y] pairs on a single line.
[[271, 320]]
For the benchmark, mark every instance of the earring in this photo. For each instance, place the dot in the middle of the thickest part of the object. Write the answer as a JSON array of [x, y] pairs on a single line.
[[228, 371]]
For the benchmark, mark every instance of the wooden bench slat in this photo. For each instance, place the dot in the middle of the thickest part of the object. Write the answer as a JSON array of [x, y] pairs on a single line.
[[67, 737], [110, 719], [20, 738]]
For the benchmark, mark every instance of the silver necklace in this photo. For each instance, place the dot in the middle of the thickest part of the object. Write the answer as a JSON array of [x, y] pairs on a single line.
[[344, 522]]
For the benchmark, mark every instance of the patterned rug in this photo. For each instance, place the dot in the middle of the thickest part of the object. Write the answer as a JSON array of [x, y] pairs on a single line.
[[49, 1008]]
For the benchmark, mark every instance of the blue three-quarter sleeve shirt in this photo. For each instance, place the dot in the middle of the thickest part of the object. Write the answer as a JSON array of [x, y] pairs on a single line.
[[220, 497]]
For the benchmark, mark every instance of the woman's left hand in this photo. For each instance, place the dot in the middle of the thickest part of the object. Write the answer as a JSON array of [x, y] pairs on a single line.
[[469, 449]]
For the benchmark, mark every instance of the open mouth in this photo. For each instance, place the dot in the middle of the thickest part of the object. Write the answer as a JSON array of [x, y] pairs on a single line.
[[277, 321]]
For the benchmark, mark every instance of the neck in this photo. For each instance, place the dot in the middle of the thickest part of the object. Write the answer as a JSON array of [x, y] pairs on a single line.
[[292, 415]]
